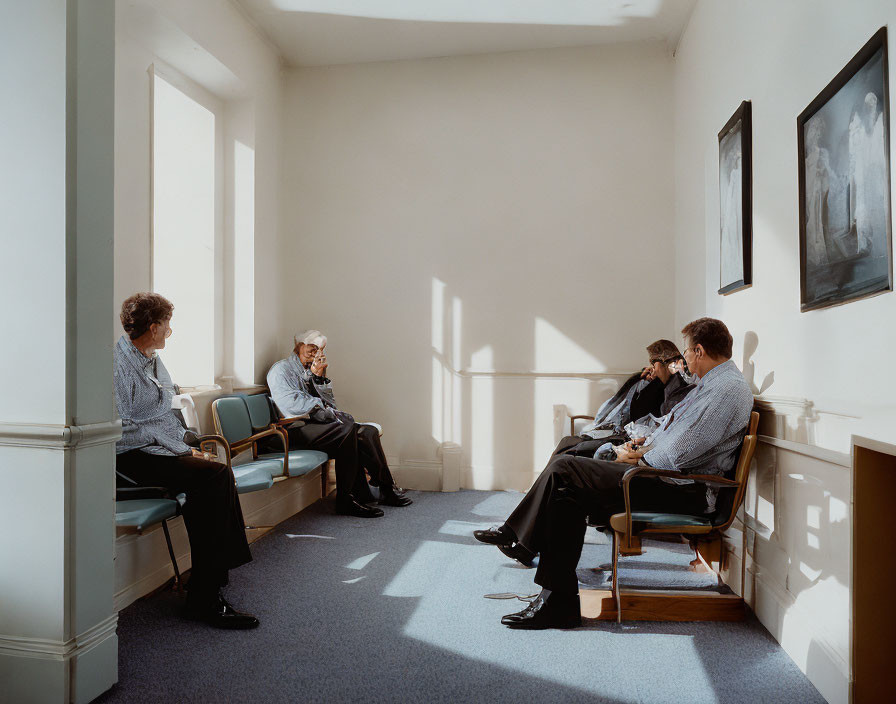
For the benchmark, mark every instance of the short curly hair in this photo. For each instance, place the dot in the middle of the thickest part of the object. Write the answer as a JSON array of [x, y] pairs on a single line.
[[141, 310], [663, 351], [712, 334]]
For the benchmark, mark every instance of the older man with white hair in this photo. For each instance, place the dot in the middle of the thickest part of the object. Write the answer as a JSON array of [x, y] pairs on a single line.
[[299, 386]]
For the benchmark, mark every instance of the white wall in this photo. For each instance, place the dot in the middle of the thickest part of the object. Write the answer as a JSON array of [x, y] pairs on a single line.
[[780, 56], [484, 213], [827, 366], [212, 45]]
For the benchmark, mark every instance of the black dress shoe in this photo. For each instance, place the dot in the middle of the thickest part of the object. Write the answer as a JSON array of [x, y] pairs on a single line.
[[555, 611], [518, 552], [390, 497], [350, 507], [220, 614], [496, 536]]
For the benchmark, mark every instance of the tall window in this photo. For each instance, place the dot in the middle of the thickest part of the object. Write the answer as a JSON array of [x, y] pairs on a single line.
[[183, 232]]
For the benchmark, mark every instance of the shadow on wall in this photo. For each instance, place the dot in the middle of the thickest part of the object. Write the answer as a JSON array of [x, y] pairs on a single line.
[[800, 546], [751, 343]]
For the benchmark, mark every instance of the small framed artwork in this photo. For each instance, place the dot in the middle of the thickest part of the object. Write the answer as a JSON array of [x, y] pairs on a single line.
[[736, 202], [846, 250]]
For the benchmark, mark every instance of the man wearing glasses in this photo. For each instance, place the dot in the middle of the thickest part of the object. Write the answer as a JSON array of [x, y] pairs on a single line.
[[701, 434], [654, 391], [300, 387]]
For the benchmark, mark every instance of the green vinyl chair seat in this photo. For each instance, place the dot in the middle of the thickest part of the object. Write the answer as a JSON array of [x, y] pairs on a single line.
[[255, 476], [647, 519], [141, 513], [300, 461]]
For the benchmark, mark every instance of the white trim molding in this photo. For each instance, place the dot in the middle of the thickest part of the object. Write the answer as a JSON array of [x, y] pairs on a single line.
[[59, 437], [840, 459], [57, 649], [786, 405], [592, 376]]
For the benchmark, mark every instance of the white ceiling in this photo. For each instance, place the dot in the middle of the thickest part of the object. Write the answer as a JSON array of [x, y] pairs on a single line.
[[327, 32]]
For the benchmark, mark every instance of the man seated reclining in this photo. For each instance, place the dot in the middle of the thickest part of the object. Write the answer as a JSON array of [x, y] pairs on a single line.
[[702, 434], [299, 386], [654, 391]]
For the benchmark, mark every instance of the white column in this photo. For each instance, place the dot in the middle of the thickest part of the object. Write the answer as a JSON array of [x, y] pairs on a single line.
[[57, 420]]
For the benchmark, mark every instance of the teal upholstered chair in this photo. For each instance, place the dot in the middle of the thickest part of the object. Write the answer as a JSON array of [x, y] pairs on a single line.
[[143, 507], [629, 527], [234, 422], [262, 417]]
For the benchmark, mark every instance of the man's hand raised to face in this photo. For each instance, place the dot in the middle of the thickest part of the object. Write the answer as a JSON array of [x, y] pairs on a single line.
[[319, 365]]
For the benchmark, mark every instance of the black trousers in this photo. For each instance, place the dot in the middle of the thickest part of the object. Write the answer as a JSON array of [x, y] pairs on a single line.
[[212, 513], [579, 445], [353, 446], [551, 518]]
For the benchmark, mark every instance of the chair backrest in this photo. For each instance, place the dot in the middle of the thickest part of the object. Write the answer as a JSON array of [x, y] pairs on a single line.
[[232, 418], [261, 415], [742, 470]]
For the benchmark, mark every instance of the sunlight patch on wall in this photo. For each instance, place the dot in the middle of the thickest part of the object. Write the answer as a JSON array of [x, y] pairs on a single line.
[[483, 398], [437, 399], [438, 315], [765, 511], [555, 352], [457, 364], [446, 384]]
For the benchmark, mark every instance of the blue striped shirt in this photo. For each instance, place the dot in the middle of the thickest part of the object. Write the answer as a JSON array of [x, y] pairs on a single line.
[[143, 393], [295, 390], [703, 433]]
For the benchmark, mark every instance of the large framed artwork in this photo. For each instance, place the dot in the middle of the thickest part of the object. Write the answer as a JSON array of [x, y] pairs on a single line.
[[846, 249], [736, 202]]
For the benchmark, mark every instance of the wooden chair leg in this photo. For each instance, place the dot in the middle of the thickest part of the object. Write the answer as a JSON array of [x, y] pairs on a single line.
[[615, 582], [630, 545]]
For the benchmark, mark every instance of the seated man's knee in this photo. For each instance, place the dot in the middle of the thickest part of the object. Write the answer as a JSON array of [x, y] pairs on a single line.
[[560, 465], [367, 431]]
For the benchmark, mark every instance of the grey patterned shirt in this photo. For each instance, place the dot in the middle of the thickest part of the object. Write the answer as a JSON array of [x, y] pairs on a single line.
[[295, 390], [143, 393], [703, 432]]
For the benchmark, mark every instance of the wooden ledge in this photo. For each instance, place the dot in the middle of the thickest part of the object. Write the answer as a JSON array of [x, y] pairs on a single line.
[[662, 605]]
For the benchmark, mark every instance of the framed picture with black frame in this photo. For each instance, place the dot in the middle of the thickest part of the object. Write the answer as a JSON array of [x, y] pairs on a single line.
[[846, 245], [736, 201]]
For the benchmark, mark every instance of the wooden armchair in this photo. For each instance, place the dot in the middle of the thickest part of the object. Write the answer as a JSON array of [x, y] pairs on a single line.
[[629, 527]]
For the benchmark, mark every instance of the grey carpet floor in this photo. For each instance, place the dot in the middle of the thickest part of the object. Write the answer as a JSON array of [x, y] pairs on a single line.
[[392, 610]]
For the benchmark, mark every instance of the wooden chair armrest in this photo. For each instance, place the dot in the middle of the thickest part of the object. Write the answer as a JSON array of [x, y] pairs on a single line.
[[646, 470], [653, 472], [252, 439], [293, 419], [572, 422], [711, 479], [215, 440]]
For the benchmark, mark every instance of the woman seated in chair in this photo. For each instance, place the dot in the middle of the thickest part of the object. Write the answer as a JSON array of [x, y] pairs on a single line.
[[152, 452]]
